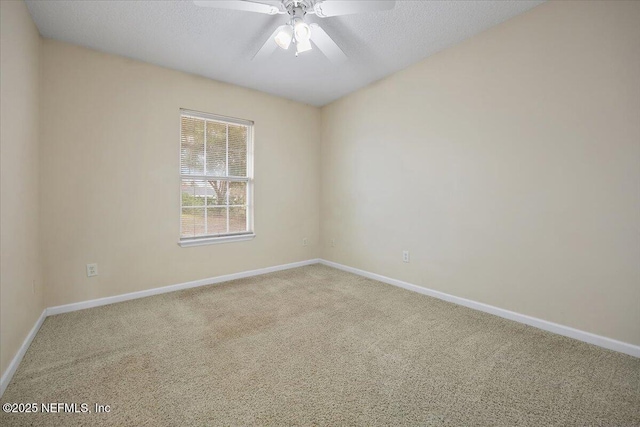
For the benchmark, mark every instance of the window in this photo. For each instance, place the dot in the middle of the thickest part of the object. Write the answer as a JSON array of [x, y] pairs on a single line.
[[216, 167]]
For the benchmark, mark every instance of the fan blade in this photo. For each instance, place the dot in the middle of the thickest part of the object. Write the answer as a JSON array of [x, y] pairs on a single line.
[[268, 47], [327, 45], [329, 8], [247, 6]]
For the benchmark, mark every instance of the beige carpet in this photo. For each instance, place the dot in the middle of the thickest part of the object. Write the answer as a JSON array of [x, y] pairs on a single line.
[[316, 346]]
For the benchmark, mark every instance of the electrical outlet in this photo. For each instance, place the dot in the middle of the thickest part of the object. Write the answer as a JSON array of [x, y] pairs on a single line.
[[405, 256], [92, 270], [333, 243], [305, 242]]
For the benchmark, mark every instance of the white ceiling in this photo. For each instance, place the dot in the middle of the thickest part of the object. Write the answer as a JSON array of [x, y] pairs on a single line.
[[219, 44]]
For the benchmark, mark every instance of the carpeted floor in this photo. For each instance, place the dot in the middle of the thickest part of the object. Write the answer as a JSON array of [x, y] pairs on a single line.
[[316, 346]]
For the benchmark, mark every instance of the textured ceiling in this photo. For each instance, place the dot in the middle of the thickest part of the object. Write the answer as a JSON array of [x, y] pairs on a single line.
[[219, 44]]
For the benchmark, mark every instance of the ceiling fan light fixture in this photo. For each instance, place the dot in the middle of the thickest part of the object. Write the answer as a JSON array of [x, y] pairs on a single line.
[[284, 36], [302, 30], [302, 46]]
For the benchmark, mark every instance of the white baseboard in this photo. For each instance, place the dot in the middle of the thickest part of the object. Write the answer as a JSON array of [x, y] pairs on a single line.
[[13, 366], [556, 328], [172, 288]]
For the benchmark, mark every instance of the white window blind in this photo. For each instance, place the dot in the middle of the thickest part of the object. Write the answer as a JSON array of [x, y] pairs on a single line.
[[216, 177]]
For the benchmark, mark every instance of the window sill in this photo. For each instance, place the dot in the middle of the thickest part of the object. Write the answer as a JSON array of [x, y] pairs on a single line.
[[215, 240]]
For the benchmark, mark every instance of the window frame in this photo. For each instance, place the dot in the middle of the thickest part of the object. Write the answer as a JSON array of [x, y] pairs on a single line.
[[227, 237]]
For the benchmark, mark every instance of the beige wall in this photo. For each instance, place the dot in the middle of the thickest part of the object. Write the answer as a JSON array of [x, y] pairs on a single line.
[[21, 295], [509, 166], [110, 175]]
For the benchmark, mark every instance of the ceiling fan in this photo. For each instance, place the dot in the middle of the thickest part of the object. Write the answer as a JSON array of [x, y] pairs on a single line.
[[296, 30]]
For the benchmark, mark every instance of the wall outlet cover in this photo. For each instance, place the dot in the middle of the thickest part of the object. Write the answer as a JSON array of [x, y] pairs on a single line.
[[92, 270]]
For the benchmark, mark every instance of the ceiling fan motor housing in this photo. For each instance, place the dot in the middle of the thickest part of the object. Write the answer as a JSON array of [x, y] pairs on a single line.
[[297, 13], [304, 5]]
